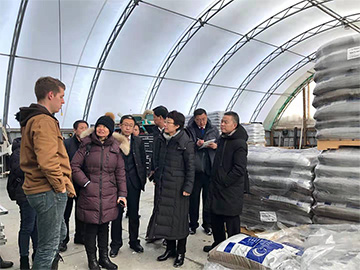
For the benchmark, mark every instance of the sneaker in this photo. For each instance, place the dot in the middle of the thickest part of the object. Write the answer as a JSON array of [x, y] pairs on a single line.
[[192, 231]]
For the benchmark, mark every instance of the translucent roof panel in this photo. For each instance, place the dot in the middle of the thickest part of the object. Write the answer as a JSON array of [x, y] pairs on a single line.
[[3, 68], [8, 14]]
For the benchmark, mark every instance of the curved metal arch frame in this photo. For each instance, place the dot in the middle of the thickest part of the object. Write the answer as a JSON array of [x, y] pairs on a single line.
[[114, 34], [311, 57], [281, 49], [192, 30], [290, 99], [10, 70], [278, 17]]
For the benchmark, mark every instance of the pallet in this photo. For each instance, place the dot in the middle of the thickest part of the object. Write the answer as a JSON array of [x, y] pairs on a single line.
[[335, 144]]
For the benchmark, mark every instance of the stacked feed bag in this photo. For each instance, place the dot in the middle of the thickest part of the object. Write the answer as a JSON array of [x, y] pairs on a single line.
[[256, 133], [337, 91], [337, 186], [281, 186]]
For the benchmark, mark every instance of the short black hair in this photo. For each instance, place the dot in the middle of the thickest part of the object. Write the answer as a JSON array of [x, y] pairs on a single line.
[[178, 117], [127, 116], [199, 111], [160, 111], [235, 117], [76, 124]]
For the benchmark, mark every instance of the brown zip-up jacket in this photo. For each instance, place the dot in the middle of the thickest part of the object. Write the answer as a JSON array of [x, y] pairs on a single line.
[[43, 156]]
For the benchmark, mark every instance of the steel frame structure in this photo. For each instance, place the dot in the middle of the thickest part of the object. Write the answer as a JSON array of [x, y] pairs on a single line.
[[286, 46], [278, 17], [290, 99], [279, 82], [10, 70], [185, 38], [114, 34]]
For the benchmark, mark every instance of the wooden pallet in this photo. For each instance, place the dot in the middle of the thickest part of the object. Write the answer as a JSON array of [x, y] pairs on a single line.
[[335, 144]]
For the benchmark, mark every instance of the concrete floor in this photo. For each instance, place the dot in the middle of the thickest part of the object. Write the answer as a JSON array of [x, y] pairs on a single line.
[[75, 257]]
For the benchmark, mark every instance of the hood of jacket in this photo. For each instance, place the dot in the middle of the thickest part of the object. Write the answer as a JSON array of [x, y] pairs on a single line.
[[240, 133], [16, 144], [34, 109], [123, 141]]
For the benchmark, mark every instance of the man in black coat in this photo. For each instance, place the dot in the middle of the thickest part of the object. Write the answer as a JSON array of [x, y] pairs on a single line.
[[201, 130], [135, 167], [226, 192], [72, 145]]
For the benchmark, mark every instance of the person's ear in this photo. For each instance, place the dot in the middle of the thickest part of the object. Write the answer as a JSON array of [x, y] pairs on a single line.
[[50, 95]]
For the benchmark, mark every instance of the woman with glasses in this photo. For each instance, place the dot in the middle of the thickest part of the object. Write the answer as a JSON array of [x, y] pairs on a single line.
[[174, 174]]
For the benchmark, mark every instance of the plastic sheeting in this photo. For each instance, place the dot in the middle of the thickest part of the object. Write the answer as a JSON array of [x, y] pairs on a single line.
[[337, 90], [337, 185]]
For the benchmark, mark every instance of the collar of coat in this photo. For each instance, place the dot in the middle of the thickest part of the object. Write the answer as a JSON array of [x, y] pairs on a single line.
[[123, 141]]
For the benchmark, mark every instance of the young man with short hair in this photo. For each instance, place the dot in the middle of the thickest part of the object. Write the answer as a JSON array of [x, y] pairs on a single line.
[[44, 160]]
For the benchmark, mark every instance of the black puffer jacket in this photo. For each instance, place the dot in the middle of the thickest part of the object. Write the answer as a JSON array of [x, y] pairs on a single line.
[[15, 169], [226, 189], [174, 173]]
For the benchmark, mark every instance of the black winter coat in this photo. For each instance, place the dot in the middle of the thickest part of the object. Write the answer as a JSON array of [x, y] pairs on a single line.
[[174, 173], [72, 145], [15, 169], [226, 189]]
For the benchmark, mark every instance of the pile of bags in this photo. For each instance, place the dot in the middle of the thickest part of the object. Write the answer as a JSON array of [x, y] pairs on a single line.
[[281, 186], [256, 133], [337, 186], [337, 91]]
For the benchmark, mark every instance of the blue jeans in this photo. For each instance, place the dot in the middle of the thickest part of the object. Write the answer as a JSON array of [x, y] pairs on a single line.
[[27, 229], [49, 207]]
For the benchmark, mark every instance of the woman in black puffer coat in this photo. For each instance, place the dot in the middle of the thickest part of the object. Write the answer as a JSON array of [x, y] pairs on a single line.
[[174, 174]]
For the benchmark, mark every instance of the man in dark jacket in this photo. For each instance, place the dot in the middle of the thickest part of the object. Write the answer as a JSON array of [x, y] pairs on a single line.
[[201, 131], [135, 182], [226, 192], [72, 145]]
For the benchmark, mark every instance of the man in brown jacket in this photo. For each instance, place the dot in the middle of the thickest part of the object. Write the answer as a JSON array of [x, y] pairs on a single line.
[[45, 162]]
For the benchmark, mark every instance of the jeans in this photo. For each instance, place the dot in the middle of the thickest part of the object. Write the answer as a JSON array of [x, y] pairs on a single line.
[[27, 229], [49, 207]]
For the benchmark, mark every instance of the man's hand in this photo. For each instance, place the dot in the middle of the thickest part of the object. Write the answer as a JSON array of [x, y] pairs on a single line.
[[186, 194], [212, 145], [200, 142], [122, 199], [64, 190]]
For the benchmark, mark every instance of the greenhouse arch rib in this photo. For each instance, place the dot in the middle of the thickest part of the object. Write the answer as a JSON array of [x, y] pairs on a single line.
[[287, 45], [193, 29], [274, 19], [10, 70], [114, 34]]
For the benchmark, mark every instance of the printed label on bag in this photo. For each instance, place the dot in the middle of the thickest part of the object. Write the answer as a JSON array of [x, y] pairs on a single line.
[[267, 216], [353, 53]]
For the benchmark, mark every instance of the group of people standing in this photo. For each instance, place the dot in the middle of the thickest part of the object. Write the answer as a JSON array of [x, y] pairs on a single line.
[[105, 171]]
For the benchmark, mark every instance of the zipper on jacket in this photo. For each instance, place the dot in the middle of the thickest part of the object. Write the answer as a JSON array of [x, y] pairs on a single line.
[[100, 181], [222, 154]]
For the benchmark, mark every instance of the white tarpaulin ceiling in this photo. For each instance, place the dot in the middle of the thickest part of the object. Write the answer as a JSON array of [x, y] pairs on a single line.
[[124, 56]]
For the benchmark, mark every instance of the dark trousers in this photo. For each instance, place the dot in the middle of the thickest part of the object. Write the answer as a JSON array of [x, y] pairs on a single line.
[[79, 225], [133, 200], [99, 232], [180, 247], [28, 228], [202, 181], [218, 228]]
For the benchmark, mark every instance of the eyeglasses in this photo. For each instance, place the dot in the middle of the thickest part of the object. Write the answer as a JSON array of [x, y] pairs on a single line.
[[169, 123], [127, 125]]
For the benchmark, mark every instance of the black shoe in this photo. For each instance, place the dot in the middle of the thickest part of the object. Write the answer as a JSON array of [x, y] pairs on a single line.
[[208, 248], [208, 230], [63, 247], [164, 242], [114, 252], [148, 240], [167, 254], [24, 263], [137, 247], [55, 263], [179, 261], [105, 262], [93, 263], [192, 231], [5, 264]]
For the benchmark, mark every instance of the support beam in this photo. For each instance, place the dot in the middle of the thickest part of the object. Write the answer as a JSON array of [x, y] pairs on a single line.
[[10, 70], [283, 48], [185, 38], [114, 34], [265, 25]]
